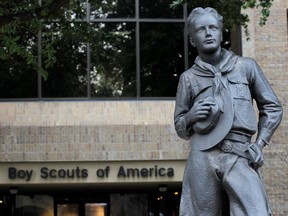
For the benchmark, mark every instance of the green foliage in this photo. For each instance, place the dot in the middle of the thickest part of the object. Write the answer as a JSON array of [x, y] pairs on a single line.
[[20, 24], [231, 10], [265, 6], [22, 21]]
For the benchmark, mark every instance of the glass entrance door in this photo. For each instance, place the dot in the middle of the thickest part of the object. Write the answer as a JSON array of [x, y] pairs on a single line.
[[95, 209], [82, 205], [83, 209], [120, 204], [68, 210]]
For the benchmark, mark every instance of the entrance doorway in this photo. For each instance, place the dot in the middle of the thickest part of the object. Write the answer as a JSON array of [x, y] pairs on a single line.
[[120, 204], [82, 205], [88, 209], [94, 201]]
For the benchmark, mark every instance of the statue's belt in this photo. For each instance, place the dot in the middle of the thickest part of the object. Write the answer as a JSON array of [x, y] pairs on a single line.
[[237, 144], [238, 137]]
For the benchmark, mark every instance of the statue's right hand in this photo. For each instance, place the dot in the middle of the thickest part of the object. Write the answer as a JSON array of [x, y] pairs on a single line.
[[199, 111]]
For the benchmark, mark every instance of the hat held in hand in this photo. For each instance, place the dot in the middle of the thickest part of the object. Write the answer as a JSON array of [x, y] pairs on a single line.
[[206, 125], [216, 126]]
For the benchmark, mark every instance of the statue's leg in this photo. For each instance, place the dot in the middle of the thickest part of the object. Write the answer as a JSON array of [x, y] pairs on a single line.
[[202, 188], [245, 190]]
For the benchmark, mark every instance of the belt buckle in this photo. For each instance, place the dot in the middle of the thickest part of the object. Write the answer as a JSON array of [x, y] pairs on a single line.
[[227, 146]]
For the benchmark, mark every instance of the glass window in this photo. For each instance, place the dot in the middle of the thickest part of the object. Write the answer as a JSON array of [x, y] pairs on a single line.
[[161, 58], [112, 9], [159, 9], [113, 61], [68, 210], [95, 209], [33, 205], [68, 76], [127, 49], [19, 79], [129, 204], [143, 204]]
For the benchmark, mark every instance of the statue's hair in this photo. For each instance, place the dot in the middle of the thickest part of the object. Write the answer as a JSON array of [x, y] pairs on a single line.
[[200, 11]]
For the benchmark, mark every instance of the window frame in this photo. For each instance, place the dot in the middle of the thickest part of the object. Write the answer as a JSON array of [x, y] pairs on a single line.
[[137, 20]]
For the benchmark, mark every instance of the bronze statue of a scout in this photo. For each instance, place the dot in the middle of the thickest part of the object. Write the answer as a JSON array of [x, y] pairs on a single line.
[[214, 109]]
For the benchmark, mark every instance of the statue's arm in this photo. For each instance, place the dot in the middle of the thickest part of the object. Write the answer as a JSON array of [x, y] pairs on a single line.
[[182, 120], [269, 106]]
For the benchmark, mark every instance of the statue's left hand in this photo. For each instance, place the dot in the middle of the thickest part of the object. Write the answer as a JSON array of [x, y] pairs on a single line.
[[256, 155]]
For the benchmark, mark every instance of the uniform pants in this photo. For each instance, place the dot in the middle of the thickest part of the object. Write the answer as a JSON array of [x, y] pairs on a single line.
[[211, 172]]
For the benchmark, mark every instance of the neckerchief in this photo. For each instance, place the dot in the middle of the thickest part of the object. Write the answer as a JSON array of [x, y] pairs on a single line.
[[219, 83]]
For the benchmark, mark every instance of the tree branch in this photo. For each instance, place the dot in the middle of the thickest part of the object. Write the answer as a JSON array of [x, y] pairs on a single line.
[[38, 12]]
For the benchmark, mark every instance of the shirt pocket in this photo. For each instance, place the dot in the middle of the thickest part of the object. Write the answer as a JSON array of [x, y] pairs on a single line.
[[239, 88], [245, 116]]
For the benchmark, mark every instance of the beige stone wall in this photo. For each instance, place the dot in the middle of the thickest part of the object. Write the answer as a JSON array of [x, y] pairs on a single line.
[[268, 45], [89, 130]]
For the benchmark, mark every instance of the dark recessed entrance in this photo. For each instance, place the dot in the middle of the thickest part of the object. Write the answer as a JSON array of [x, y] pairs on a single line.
[[132, 200]]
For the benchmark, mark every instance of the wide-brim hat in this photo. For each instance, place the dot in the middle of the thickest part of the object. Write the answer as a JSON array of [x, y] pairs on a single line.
[[215, 127], [208, 124]]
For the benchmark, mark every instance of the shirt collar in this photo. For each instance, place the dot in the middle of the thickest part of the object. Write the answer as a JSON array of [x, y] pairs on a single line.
[[226, 65]]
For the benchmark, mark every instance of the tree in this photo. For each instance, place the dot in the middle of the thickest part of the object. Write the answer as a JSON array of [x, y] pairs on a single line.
[[231, 10], [22, 20]]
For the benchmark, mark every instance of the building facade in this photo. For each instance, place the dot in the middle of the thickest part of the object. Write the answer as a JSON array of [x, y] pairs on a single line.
[[123, 157]]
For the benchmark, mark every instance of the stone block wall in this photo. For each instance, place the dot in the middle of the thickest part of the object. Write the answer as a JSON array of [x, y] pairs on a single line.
[[269, 46], [89, 130]]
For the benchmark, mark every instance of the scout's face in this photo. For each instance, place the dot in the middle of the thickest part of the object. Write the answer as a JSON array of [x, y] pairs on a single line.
[[206, 34]]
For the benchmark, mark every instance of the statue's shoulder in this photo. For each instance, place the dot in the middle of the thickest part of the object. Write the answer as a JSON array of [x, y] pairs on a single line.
[[189, 72], [244, 69], [195, 72], [245, 61]]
